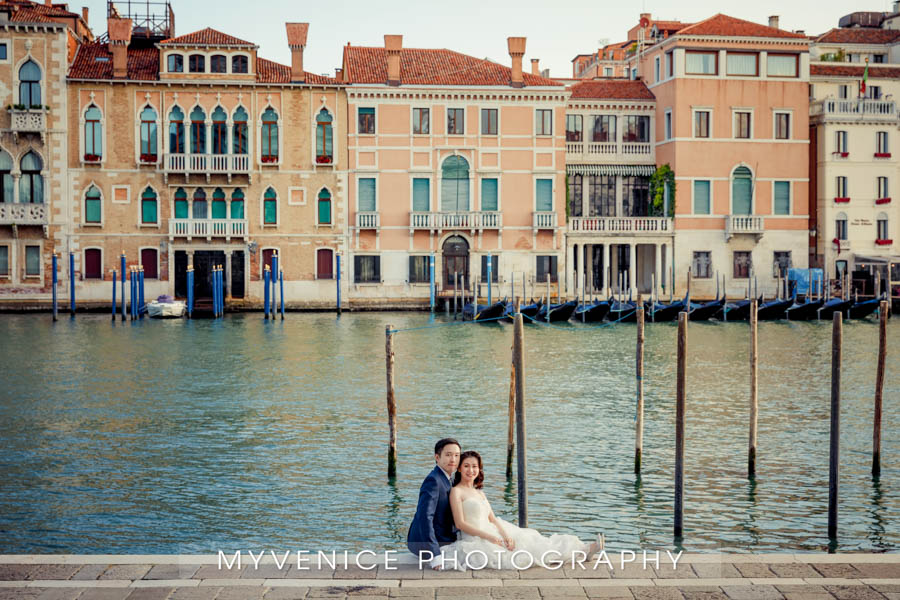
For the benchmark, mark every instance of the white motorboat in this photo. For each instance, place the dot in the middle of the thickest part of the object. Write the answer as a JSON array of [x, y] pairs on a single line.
[[166, 307]]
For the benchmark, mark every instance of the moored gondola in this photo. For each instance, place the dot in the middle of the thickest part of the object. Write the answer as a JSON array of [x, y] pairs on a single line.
[[773, 309], [861, 310], [834, 305], [706, 310], [482, 312], [804, 311], [735, 311], [591, 313], [529, 311], [621, 312], [558, 312], [657, 312]]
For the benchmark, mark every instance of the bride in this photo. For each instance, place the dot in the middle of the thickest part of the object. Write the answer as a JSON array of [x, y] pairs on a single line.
[[488, 541]]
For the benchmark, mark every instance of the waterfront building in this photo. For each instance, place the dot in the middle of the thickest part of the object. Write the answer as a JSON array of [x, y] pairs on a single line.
[[454, 157], [36, 45], [193, 151]]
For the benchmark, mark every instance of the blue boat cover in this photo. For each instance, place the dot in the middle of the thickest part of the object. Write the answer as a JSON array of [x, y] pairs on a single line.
[[799, 279]]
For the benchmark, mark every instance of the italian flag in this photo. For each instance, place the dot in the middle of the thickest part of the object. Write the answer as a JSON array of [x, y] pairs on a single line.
[[862, 86]]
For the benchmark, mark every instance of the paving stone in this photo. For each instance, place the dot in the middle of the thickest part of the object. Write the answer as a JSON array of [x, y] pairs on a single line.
[[799, 570], [754, 570], [398, 572], [354, 572], [853, 592], [516, 593], [402, 592], [313, 572], [445, 574], [495, 574], [195, 593], [608, 592], [892, 596], [752, 592], [682, 571], [327, 592], [152, 593], [20, 593], [656, 593], [457, 592], [286, 593], [172, 571], [807, 596], [60, 593], [15, 572], [58, 571], [845, 570], [879, 571], [715, 570], [562, 592], [214, 572], [242, 592], [703, 595], [887, 587], [632, 571], [797, 589], [89, 572], [542, 573], [105, 593], [125, 572]]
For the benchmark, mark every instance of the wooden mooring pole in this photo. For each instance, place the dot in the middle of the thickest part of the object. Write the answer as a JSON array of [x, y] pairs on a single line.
[[511, 429], [679, 423], [879, 386], [639, 376], [391, 401], [519, 365], [754, 389], [834, 455]]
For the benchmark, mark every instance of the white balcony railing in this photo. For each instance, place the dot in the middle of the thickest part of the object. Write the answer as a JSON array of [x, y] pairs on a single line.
[[225, 164], [368, 220], [621, 225], [603, 148], [864, 107], [544, 220], [29, 120], [23, 214], [442, 221], [636, 148], [207, 228], [843, 245], [738, 224], [574, 147]]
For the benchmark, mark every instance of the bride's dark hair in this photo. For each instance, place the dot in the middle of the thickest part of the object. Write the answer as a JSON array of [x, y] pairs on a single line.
[[479, 480]]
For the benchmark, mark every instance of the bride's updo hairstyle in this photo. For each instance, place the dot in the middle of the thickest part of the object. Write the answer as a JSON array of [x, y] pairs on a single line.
[[479, 480]]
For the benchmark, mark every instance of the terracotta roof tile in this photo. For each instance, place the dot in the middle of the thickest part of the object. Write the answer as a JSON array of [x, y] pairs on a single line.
[[725, 26], [845, 70], [206, 37], [427, 66], [859, 35], [613, 89], [46, 10], [268, 71], [94, 61], [670, 25]]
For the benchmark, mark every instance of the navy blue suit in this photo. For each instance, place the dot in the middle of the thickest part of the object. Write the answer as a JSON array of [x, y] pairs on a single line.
[[432, 527]]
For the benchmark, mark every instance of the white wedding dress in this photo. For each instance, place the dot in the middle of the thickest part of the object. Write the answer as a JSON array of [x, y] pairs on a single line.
[[527, 542]]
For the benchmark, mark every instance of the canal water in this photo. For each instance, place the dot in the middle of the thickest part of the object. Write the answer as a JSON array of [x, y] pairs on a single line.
[[196, 436]]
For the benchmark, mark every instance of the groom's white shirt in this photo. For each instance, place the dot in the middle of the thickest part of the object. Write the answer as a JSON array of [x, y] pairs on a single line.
[[437, 561]]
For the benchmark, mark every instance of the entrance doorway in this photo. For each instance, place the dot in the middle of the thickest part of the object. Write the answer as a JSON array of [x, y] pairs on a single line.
[[455, 260]]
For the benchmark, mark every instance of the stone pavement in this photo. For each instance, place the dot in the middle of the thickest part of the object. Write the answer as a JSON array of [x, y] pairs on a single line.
[[696, 577]]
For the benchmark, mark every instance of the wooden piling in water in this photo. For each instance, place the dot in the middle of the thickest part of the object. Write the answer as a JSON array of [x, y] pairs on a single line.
[[679, 423], [511, 429], [639, 377], [754, 383], [835, 447], [519, 365], [391, 401], [879, 386]]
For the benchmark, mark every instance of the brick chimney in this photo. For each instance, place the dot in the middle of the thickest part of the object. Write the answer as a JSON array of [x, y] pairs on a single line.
[[393, 44], [296, 33], [84, 14], [119, 31], [773, 21], [535, 68], [516, 52]]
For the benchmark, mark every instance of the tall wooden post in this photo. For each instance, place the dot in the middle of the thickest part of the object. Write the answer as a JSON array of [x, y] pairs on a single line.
[[679, 423], [754, 386], [639, 376], [391, 401], [510, 431], [834, 457], [879, 386], [519, 365]]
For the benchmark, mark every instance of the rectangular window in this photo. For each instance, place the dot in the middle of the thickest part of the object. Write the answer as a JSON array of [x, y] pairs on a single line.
[[881, 144], [575, 194], [873, 92], [544, 195], [489, 194], [32, 261], [602, 200], [841, 185], [782, 198], [366, 269], [489, 121], [635, 196], [701, 63], [366, 121], [782, 262], [782, 126], [367, 195], [701, 198], [604, 129], [701, 124], [421, 121], [543, 122], [781, 65], [455, 121], [840, 229], [742, 265], [419, 271], [495, 268], [840, 142], [882, 227], [607, 72], [702, 265], [4, 261], [546, 265], [742, 63], [148, 261], [3, 53], [324, 264], [656, 69], [883, 191], [742, 125], [670, 63], [878, 58], [270, 211], [668, 125], [574, 127], [93, 264], [637, 129], [175, 63], [842, 92], [421, 195]]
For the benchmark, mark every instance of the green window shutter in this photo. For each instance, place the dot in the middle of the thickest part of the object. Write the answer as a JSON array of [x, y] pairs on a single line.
[[782, 198], [181, 209], [92, 208], [324, 211], [544, 195], [237, 209], [420, 194], [4, 260], [488, 194], [148, 210], [701, 198], [270, 211], [741, 192], [367, 195], [219, 209]]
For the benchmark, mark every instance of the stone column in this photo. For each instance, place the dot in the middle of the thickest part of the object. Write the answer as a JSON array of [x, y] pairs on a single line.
[[657, 267], [228, 274], [570, 260], [190, 257]]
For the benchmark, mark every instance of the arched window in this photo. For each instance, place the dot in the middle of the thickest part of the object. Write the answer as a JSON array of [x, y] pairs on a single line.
[[881, 227], [219, 131], [199, 204], [742, 191], [840, 226], [6, 179], [197, 63], [218, 64], [30, 85], [198, 131], [175, 63], [219, 208], [576, 189], [237, 204], [455, 184], [148, 135], [239, 135], [181, 204], [149, 212], [270, 136], [324, 208], [93, 134], [31, 183], [270, 207], [92, 208], [324, 138], [176, 131], [238, 64]]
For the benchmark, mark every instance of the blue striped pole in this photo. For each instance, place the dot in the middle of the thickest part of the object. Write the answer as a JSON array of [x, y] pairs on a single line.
[[266, 293], [338, 258], [274, 281], [281, 284], [141, 294], [131, 293], [221, 291], [490, 268], [72, 284], [431, 279], [55, 285], [124, 277], [114, 311], [216, 289], [190, 291]]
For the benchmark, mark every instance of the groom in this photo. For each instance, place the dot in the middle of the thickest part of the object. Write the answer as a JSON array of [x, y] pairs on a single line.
[[432, 527]]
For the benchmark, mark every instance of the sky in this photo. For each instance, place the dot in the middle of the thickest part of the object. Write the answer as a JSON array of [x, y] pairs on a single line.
[[556, 31]]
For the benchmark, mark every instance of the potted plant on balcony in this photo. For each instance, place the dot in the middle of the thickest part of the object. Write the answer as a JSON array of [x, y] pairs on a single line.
[[883, 201], [148, 158], [269, 159], [884, 242], [323, 160], [662, 178], [91, 157]]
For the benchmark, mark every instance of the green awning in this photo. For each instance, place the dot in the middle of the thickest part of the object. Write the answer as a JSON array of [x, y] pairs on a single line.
[[646, 170]]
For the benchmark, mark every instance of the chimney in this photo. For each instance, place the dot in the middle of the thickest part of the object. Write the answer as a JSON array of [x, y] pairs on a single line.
[[84, 14], [773, 21], [392, 46], [296, 33], [535, 69], [119, 31], [516, 52]]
